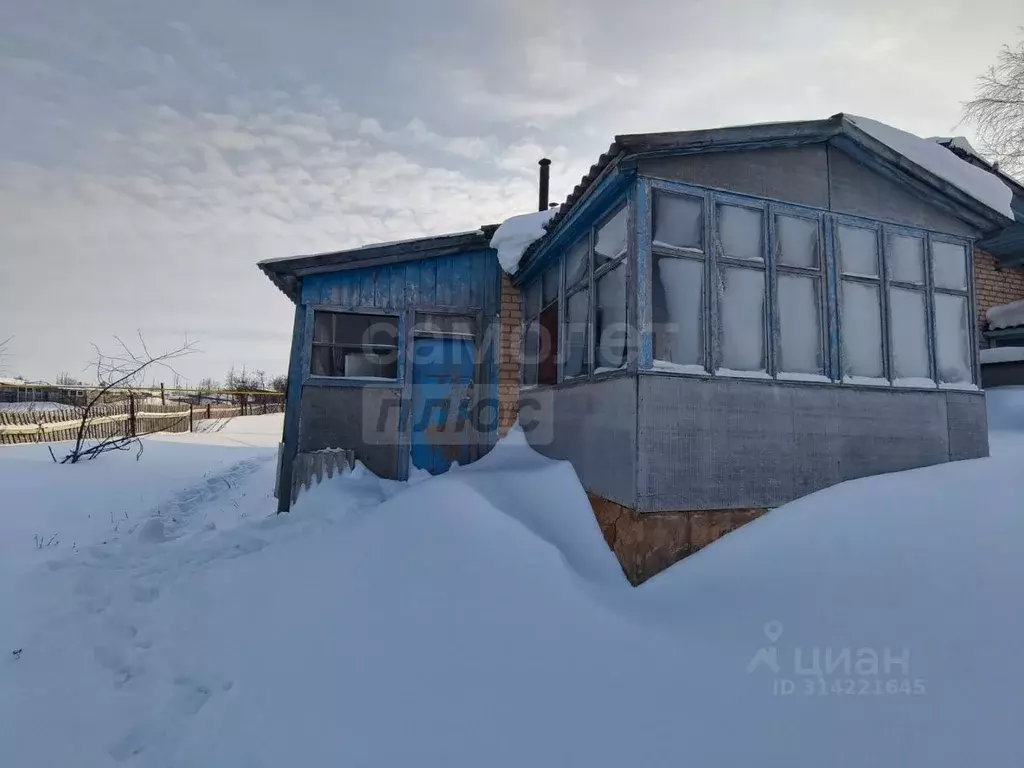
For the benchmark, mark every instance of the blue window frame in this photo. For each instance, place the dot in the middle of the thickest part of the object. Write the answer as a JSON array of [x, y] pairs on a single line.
[[733, 285], [575, 312]]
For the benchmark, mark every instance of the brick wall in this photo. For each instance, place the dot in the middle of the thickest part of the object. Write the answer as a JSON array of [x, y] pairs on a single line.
[[649, 542], [994, 285], [509, 355]]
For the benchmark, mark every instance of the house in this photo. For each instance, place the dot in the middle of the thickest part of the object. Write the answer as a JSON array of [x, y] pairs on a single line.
[[713, 323]]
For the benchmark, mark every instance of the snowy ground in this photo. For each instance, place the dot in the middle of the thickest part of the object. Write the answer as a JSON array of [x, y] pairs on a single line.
[[477, 619]]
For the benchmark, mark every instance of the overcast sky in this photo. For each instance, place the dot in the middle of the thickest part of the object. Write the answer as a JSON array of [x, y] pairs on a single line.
[[152, 153]]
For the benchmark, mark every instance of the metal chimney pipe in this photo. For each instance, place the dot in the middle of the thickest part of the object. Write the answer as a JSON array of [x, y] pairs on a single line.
[[545, 175]]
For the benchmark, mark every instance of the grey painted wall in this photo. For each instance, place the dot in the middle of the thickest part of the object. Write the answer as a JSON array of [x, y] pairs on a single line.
[[333, 417], [821, 176], [721, 444], [798, 175], [859, 191], [593, 426]]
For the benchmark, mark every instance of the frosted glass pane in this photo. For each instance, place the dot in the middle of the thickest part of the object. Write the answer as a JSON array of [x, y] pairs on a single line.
[[531, 300], [951, 339], [909, 328], [611, 331], [799, 325], [798, 241], [678, 220], [611, 239], [858, 251], [862, 331], [741, 232], [577, 307], [678, 310], [549, 282], [576, 263], [741, 301], [906, 259], [531, 349], [950, 265]]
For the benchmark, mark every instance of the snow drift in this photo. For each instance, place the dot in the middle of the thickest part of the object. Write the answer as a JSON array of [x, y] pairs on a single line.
[[478, 619]]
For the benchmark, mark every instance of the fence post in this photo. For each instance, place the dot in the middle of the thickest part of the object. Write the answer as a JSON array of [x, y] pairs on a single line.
[[131, 415], [207, 410], [190, 418], [163, 401]]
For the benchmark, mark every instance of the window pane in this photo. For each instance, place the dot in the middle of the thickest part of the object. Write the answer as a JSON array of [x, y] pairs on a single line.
[[350, 328], [549, 292], [531, 347], [323, 326], [952, 339], [741, 232], [858, 251], [611, 331], [576, 263], [906, 259], [862, 331], [741, 303], [798, 241], [611, 238], [950, 265], [382, 364], [678, 220], [800, 349], [531, 300], [357, 330], [547, 356], [678, 310], [453, 325], [320, 362], [577, 307], [909, 328]]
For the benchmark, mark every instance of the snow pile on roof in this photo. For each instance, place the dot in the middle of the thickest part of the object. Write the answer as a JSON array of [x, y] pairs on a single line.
[[985, 187], [476, 619], [1005, 315], [517, 234], [958, 142]]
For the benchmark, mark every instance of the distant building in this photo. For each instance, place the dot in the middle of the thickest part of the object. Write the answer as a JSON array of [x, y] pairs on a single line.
[[713, 324]]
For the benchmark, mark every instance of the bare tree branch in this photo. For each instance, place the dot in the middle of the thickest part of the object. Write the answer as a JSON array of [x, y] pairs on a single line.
[[997, 110], [118, 372]]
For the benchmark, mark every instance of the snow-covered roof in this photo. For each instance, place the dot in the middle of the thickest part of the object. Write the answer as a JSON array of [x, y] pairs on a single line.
[[1006, 315], [518, 233], [987, 188]]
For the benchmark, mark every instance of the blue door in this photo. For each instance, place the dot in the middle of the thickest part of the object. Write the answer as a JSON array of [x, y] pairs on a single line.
[[442, 397]]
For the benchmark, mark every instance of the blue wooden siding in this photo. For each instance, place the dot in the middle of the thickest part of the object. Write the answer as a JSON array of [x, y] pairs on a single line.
[[465, 281]]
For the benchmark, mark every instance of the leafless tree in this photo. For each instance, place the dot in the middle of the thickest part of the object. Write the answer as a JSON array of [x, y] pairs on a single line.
[[122, 370], [279, 383], [997, 109]]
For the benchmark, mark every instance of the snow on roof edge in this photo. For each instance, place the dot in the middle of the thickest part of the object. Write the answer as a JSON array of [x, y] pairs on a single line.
[[987, 188], [516, 234]]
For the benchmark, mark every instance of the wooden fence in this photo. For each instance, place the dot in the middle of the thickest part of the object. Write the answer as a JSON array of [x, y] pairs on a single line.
[[125, 418]]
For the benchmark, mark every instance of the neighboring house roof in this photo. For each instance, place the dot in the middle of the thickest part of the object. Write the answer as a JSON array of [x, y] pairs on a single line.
[[287, 272], [976, 195]]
